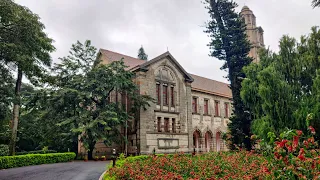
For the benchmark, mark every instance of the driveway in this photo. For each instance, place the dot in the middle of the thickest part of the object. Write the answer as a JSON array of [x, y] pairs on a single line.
[[77, 170]]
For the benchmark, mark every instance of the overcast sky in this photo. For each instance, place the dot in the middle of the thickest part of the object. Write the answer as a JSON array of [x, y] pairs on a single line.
[[124, 25]]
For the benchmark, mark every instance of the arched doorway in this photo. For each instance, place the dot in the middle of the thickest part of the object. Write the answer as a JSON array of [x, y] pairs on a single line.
[[208, 141], [196, 140], [218, 141]]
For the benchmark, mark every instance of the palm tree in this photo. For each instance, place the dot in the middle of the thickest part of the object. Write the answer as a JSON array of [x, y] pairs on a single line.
[[315, 3]]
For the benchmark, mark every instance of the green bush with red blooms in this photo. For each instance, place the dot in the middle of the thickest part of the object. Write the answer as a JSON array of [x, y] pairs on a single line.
[[292, 155], [224, 165], [296, 154]]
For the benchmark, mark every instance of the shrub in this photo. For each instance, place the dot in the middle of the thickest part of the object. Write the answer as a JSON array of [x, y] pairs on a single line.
[[36, 152], [226, 165], [34, 159], [4, 150]]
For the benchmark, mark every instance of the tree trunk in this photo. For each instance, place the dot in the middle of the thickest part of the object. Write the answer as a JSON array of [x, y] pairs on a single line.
[[15, 114], [91, 148]]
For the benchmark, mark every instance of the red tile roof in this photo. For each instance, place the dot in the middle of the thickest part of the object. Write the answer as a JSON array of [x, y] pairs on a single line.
[[110, 56], [200, 84], [210, 86]]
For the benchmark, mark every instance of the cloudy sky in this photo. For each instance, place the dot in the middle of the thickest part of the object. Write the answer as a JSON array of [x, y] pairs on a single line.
[[124, 25]]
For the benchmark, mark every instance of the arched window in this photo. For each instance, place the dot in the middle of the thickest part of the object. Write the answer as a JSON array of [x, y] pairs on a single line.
[[165, 87]]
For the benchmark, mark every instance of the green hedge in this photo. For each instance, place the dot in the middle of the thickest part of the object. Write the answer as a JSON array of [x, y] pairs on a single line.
[[36, 152], [34, 159]]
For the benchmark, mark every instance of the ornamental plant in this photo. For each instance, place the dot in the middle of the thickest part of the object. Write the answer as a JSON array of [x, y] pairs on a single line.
[[296, 154], [224, 165]]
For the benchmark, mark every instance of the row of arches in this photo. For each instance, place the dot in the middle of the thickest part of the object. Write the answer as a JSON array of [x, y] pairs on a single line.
[[207, 142]]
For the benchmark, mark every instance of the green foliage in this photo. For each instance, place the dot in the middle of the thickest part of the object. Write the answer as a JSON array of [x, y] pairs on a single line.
[[283, 88], [34, 159], [4, 150], [36, 152], [229, 43], [78, 101], [25, 48], [315, 3], [142, 54]]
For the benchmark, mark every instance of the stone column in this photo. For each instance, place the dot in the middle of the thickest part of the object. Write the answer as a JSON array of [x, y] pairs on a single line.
[[161, 96], [170, 125], [202, 144]]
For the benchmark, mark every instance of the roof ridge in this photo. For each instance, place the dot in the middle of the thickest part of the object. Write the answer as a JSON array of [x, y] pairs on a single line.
[[121, 54], [208, 78]]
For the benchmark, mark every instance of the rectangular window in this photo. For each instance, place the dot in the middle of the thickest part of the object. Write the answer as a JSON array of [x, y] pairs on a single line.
[[206, 108], [165, 95], [226, 109], [172, 96], [173, 125], [194, 105], [159, 124], [216, 108], [166, 124], [158, 94]]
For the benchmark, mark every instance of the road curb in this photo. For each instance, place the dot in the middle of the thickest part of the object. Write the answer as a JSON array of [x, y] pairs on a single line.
[[101, 177]]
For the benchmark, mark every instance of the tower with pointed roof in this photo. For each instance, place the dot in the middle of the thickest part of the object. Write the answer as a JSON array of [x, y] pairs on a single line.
[[254, 33]]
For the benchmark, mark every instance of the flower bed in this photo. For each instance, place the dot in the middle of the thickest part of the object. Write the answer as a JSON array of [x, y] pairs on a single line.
[[226, 165], [292, 155], [34, 159]]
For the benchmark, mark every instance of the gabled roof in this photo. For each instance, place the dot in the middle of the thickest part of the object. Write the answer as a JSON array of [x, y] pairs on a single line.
[[164, 55], [200, 84], [210, 86], [110, 56]]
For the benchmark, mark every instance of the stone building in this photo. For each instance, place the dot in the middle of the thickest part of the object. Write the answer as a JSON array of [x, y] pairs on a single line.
[[190, 112], [254, 33]]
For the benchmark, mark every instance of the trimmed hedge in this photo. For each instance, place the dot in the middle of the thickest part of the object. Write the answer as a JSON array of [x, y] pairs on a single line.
[[36, 152], [35, 159]]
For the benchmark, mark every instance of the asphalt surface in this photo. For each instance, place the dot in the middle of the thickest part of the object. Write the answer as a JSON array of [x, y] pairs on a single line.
[[77, 170]]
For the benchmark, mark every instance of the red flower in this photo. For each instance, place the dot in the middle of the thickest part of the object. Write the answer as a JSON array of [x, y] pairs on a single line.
[[312, 130], [301, 157], [299, 132], [282, 143], [295, 142]]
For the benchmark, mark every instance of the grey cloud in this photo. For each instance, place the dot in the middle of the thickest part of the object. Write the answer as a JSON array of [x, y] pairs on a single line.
[[124, 25]]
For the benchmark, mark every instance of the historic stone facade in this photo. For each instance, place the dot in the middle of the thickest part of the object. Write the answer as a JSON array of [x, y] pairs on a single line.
[[190, 112], [254, 33]]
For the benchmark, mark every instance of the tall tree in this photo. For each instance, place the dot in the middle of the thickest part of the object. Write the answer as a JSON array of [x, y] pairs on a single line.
[[80, 98], [142, 54], [26, 47], [284, 88], [315, 3], [229, 43]]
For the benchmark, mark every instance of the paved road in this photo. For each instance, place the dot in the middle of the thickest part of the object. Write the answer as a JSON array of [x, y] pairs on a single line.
[[77, 170]]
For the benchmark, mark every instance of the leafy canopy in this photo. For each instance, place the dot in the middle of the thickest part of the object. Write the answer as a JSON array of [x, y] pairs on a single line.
[[284, 88]]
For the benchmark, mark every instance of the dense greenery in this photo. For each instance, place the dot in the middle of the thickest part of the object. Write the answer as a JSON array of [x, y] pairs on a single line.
[[142, 54], [285, 87], [60, 105], [34, 159], [4, 150], [229, 43], [24, 47]]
